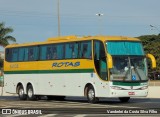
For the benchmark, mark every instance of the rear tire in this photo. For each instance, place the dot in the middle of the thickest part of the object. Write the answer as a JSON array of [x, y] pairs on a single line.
[[124, 99], [30, 93], [91, 95], [21, 94]]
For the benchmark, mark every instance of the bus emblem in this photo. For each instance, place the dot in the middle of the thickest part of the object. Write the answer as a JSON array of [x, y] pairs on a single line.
[[133, 77]]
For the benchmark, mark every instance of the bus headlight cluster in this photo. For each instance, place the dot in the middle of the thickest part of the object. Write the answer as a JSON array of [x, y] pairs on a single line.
[[116, 88], [143, 88]]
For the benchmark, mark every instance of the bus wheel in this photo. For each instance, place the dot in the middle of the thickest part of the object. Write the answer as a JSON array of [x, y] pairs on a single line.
[[91, 95], [124, 99], [30, 93], [21, 94]]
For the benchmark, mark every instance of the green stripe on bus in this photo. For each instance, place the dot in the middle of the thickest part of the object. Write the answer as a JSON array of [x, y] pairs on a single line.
[[49, 71], [127, 83]]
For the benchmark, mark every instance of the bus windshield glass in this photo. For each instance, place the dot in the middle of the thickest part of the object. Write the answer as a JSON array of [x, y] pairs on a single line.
[[129, 62]]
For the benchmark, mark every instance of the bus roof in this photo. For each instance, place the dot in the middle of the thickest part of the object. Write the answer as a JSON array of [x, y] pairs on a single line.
[[76, 38]]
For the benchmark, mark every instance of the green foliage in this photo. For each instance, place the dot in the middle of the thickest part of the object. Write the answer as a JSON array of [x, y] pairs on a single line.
[[151, 45], [4, 37]]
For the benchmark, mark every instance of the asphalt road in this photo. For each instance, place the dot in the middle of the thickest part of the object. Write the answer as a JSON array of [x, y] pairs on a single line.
[[79, 107]]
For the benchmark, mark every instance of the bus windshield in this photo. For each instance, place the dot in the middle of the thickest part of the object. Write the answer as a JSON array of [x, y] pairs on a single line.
[[129, 62]]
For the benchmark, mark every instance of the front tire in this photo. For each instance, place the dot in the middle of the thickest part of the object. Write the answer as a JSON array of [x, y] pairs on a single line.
[[91, 95], [21, 94], [30, 93], [124, 99]]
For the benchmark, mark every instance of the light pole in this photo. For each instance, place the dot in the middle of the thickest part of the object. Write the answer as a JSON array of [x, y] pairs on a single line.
[[99, 14], [100, 21], [58, 15], [155, 28]]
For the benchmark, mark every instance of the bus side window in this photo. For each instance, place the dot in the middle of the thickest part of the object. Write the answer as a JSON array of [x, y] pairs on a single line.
[[43, 52], [15, 54], [60, 51], [49, 52], [26, 54], [68, 50], [71, 50], [75, 50], [8, 53], [21, 54], [85, 51], [54, 50], [72, 46], [33, 53], [30, 54]]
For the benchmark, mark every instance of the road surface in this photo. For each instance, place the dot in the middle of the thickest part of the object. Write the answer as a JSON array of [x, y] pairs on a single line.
[[79, 107]]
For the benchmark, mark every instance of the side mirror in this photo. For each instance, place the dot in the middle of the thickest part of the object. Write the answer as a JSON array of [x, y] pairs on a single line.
[[153, 60], [109, 61]]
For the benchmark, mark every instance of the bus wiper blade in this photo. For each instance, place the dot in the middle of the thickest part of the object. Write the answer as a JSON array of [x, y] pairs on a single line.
[[135, 69]]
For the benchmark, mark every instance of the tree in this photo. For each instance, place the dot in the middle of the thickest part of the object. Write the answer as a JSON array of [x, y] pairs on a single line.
[[151, 45], [4, 37]]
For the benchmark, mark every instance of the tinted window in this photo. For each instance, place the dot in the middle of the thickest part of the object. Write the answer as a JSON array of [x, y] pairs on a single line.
[[12, 54], [85, 50], [52, 52], [100, 60], [71, 50], [22, 54], [32, 53]]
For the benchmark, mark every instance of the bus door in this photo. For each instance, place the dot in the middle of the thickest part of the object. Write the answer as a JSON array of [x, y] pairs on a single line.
[[100, 60]]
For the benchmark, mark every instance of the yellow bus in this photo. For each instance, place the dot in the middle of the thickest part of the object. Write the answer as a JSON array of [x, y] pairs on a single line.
[[91, 66]]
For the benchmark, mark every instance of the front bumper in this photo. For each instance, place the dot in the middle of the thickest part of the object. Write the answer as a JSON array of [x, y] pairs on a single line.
[[128, 93]]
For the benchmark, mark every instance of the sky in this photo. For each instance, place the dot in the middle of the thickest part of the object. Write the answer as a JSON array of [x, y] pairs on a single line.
[[36, 20]]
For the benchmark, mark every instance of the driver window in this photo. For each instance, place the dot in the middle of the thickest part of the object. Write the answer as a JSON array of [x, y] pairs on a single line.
[[100, 60]]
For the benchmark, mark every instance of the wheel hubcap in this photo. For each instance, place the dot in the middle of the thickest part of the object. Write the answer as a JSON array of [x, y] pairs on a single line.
[[21, 92], [30, 93], [91, 94]]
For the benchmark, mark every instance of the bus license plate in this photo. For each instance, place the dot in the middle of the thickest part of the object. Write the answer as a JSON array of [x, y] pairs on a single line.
[[131, 93]]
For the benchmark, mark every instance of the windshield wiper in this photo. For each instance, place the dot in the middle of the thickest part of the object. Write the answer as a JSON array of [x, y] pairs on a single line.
[[135, 69]]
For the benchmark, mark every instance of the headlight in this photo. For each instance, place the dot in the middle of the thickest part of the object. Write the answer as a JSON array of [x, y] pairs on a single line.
[[116, 88], [143, 88]]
